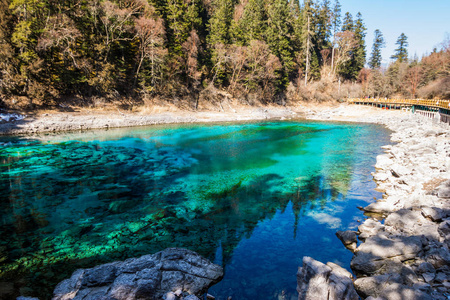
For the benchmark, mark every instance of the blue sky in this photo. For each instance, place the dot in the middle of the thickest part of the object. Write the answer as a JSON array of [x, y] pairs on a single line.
[[425, 23]]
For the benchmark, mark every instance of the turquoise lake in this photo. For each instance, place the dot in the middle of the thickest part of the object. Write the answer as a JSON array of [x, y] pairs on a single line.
[[252, 197]]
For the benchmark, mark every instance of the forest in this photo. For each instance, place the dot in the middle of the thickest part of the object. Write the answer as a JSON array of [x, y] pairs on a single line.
[[186, 51]]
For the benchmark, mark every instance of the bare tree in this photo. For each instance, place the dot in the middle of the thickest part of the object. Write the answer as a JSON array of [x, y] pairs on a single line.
[[238, 59], [262, 67], [191, 49], [116, 18], [346, 42], [414, 76], [150, 32], [60, 32]]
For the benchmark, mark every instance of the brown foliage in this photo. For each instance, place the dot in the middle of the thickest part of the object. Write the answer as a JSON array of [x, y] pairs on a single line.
[[262, 65], [150, 33], [191, 50], [237, 59], [414, 77]]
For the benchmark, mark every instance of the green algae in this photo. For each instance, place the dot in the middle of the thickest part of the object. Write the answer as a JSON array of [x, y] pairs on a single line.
[[77, 203]]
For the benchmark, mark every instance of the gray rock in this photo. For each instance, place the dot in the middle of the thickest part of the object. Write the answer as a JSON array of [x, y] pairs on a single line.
[[384, 252], [438, 257], [413, 222], [422, 286], [348, 238], [432, 213], [380, 207], [442, 277], [388, 286], [444, 228], [369, 228], [428, 277], [444, 190], [316, 280], [425, 267], [148, 277], [371, 286], [26, 298]]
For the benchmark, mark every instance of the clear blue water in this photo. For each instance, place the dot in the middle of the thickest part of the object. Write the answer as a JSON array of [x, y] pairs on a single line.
[[253, 197]]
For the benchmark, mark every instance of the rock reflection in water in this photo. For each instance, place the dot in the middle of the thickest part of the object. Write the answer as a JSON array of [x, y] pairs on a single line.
[[253, 197]]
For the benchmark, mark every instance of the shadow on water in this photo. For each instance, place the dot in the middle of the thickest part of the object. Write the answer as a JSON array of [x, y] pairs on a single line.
[[73, 204]]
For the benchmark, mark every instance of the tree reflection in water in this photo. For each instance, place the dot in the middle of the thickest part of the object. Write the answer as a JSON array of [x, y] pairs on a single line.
[[252, 197]]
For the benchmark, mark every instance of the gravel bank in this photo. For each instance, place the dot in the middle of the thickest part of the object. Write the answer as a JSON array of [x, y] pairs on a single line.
[[84, 120]]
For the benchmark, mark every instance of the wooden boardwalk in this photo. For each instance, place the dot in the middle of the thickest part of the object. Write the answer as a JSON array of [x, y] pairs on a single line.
[[438, 109]]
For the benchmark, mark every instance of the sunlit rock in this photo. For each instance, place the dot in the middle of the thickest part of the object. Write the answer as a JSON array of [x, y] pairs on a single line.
[[148, 277], [316, 280]]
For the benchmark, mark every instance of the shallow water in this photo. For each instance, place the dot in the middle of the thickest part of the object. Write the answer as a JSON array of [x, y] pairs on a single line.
[[253, 197]]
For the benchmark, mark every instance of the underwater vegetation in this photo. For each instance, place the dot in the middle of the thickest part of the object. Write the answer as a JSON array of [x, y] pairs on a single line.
[[253, 197]]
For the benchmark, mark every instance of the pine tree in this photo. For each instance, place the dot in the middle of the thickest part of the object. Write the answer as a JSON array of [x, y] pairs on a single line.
[[336, 24], [323, 25], [253, 24], [336, 17], [278, 36], [220, 22], [297, 21], [378, 43], [351, 68], [7, 61], [181, 18], [348, 22], [360, 55], [401, 53], [308, 34]]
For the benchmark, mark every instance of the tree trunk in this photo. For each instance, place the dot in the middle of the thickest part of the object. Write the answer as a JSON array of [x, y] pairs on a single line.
[[307, 55]]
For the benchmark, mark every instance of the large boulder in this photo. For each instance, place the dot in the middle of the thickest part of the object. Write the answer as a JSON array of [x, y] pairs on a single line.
[[316, 280], [389, 286], [383, 253], [148, 277]]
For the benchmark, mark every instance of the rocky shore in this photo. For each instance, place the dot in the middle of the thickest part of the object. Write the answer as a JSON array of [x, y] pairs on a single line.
[[404, 244]]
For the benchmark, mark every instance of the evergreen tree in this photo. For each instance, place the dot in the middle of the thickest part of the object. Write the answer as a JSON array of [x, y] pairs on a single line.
[[335, 24], [253, 24], [360, 55], [307, 36], [323, 25], [336, 17], [378, 43], [401, 53], [278, 36], [348, 22], [351, 68], [297, 21], [181, 18], [220, 22]]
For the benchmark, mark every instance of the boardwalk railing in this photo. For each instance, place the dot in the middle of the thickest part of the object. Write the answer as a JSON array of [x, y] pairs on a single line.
[[444, 104], [430, 108]]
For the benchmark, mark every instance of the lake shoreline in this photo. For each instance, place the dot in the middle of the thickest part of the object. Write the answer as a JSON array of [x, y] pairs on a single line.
[[403, 251], [84, 119]]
